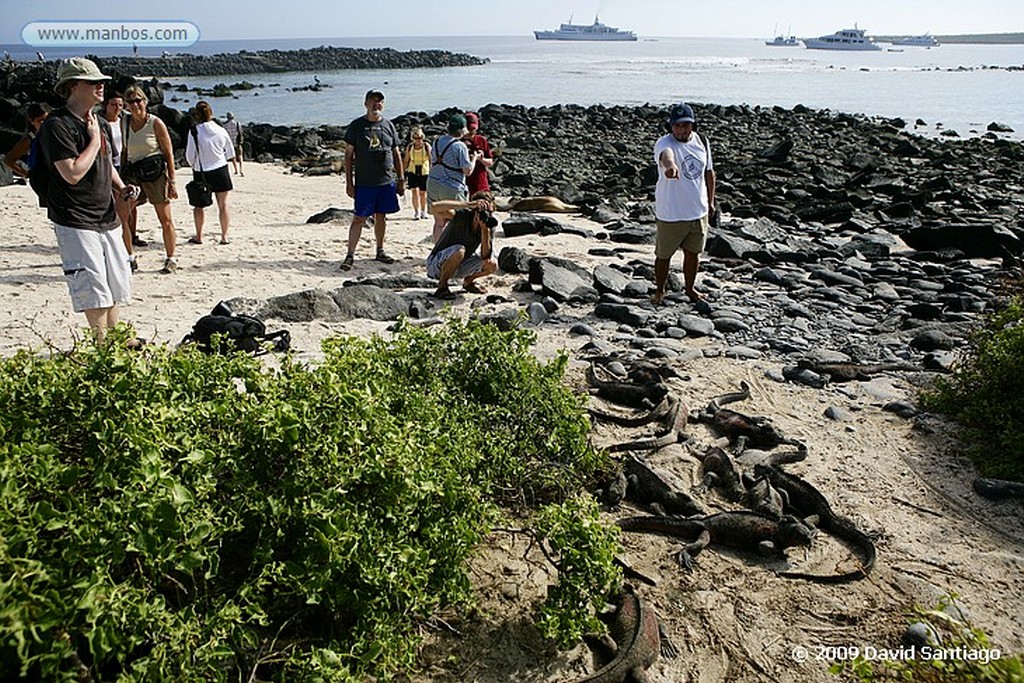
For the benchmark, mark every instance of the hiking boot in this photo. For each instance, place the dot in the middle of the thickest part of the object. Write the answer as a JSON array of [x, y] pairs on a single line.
[[347, 263], [169, 266]]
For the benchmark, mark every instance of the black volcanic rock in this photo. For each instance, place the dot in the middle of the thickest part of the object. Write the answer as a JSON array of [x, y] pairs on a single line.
[[973, 240]]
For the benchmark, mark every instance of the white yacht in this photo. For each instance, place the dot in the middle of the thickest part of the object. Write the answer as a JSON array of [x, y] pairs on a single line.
[[927, 40], [847, 39], [783, 41]]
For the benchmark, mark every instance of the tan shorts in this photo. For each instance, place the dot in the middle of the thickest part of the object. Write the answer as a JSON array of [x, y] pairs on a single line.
[[690, 235], [154, 192]]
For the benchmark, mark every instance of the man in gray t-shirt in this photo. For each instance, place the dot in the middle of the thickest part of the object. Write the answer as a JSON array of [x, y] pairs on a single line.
[[373, 174]]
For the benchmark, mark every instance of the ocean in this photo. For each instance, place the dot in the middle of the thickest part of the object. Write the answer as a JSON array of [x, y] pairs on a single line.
[[957, 87]]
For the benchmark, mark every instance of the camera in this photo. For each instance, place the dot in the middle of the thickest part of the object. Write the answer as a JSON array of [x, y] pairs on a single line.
[[487, 218]]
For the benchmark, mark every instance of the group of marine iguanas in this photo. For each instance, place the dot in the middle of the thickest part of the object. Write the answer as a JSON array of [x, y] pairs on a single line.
[[780, 509]]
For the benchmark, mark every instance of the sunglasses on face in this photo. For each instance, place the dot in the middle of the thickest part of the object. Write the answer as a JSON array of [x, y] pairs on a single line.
[[135, 101]]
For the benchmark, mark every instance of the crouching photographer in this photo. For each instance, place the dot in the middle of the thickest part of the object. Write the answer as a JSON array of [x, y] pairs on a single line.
[[455, 253]]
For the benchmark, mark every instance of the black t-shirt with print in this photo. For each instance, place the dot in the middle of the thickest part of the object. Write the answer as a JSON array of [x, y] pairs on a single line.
[[375, 142]]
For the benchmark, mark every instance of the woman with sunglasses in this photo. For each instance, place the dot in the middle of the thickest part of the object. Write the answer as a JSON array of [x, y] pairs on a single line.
[[417, 168], [145, 138]]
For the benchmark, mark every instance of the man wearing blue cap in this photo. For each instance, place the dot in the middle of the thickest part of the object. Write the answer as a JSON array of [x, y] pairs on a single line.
[[684, 198]]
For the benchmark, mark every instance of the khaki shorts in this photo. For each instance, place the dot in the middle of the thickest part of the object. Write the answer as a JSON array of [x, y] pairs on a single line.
[[95, 267], [690, 235], [439, 192], [154, 192]]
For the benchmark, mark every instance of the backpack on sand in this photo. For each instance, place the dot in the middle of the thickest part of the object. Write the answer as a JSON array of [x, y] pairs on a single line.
[[222, 331]]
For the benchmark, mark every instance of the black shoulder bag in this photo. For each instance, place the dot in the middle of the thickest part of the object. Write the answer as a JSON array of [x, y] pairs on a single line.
[[199, 193]]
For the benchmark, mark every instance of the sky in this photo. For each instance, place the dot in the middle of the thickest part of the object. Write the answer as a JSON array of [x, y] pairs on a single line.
[[242, 19]]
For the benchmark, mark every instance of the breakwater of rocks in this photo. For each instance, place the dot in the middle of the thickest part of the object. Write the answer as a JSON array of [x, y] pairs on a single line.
[[34, 81]]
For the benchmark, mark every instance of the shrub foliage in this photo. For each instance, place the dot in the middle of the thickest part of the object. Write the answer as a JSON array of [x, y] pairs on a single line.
[[172, 516], [985, 394]]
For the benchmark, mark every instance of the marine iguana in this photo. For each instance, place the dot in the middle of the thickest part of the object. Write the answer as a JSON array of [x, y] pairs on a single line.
[[636, 639], [741, 530], [655, 488], [758, 431], [756, 493], [643, 395], [810, 503], [720, 472], [847, 372], [763, 498], [670, 414]]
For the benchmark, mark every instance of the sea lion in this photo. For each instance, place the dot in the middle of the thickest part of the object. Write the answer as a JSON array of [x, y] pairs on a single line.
[[545, 204]]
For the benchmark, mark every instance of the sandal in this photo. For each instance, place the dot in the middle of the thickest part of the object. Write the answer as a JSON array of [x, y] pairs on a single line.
[[194, 240], [347, 263], [444, 294], [473, 288], [225, 241], [383, 257]]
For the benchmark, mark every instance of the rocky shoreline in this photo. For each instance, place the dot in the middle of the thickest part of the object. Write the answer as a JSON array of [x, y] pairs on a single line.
[[844, 232], [847, 240]]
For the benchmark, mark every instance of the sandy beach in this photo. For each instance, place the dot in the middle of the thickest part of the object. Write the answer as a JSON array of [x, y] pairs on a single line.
[[900, 480]]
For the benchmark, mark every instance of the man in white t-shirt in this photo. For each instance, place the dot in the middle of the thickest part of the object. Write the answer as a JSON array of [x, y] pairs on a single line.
[[684, 198]]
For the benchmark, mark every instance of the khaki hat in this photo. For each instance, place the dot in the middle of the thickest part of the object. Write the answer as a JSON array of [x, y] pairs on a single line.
[[78, 69]]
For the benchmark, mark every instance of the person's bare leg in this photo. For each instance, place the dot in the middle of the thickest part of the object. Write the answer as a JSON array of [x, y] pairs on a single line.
[[163, 213], [439, 223], [449, 268], [691, 261], [123, 211], [380, 222], [224, 215], [199, 218], [100, 320], [133, 220], [661, 267], [355, 231], [489, 267]]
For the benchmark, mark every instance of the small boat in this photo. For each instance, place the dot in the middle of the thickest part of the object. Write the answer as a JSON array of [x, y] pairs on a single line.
[[926, 40], [595, 31], [781, 40], [846, 39]]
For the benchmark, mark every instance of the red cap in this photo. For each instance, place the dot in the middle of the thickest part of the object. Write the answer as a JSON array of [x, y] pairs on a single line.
[[472, 118]]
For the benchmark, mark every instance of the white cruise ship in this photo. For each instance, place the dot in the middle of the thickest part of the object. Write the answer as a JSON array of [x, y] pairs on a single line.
[[595, 31]]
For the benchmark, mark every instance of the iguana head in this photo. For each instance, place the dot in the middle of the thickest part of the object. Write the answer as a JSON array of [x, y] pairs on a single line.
[[793, 532]]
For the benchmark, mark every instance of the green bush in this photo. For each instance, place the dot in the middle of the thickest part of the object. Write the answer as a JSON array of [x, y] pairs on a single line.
[[171, 516], [985, 394], [587, 575]]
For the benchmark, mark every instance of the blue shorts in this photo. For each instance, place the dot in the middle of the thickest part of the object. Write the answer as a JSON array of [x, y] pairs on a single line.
[[371, 199]]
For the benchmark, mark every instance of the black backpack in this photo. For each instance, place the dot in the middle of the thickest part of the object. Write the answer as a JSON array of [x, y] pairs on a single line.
[[223, 331]]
